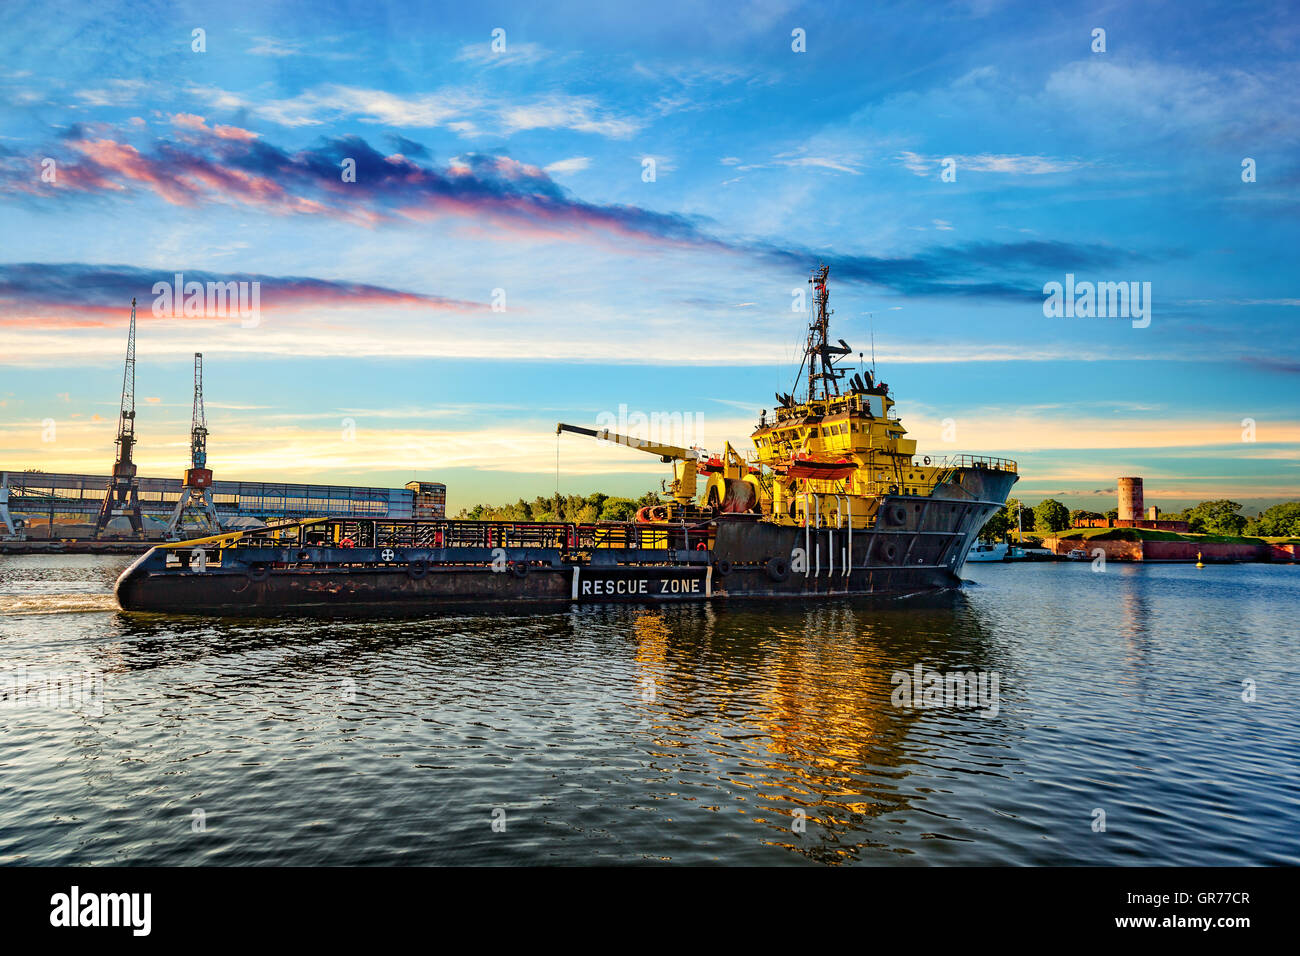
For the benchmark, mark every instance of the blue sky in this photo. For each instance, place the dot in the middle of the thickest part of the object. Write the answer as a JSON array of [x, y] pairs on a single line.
[[516, 176]]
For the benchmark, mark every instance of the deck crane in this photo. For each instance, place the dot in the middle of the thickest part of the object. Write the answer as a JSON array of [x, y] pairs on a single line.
[[122, 498], [196, 491], [732, 484]]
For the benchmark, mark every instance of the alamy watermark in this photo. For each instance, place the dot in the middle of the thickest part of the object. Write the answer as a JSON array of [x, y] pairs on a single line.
[[1102, 300], [215, 300], [660, 428], [127, 910], [925, 688], [81, 691]]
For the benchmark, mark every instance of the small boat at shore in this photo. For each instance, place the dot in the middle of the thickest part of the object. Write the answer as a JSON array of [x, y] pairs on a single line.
[[987, 551]]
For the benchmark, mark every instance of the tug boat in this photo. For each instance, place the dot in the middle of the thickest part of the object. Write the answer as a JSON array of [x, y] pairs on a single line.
[[832, 502]]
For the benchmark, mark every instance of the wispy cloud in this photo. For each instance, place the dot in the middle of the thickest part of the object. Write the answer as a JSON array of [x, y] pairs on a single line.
[[460, 109], [1164, 99], [513, 54], [331, 102], [989, 163], [575, 164], [579, 113], [801, 158], [270, 46], [113, 93]]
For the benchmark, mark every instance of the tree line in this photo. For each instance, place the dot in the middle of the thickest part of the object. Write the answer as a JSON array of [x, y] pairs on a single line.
[[579, 509], [1048, 516], [1220, 516]]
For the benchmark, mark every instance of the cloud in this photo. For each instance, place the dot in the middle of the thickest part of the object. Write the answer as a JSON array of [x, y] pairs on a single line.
[[580, 113], [74, 294], [1019, 430], [408, 147], [455, 108], [333, 102], [1104, 107], [1274, 364], [270, 46], [514, 54], [197, 124], [989, 163], [800, 159], [573, 165], [112, 93], [516, 196], [1166, 99], [983, 269]]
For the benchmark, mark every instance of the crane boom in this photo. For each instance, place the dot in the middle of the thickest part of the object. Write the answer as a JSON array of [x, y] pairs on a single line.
[[666, 452], [684, 460], [122, 497], [126, 420], [198, 422]]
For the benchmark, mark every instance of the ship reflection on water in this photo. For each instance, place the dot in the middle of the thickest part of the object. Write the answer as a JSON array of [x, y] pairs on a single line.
[[778, 717], [792, 710]]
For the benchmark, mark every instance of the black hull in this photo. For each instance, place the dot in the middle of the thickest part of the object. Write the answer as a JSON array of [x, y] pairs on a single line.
[[917, 545], [233, 592]]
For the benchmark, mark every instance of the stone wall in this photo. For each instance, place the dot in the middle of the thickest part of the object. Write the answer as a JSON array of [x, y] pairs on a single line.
[[1115, 550], [1212, 552]]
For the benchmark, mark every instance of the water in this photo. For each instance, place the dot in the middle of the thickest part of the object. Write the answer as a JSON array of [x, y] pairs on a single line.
[[684, 734]]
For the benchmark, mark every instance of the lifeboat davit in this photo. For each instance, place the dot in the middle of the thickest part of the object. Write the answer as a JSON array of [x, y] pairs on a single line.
[[801, 466]]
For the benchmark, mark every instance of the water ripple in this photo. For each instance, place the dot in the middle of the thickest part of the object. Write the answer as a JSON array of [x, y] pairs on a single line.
[[732, 734]]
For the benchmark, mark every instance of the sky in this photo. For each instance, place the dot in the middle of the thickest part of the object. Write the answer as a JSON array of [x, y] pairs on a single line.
[[468, 222]]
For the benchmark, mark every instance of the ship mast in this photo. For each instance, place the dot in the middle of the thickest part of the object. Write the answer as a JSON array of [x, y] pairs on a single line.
[[819, 353]]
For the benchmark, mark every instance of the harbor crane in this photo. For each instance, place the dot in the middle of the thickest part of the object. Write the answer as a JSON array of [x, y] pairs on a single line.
[[122, 498], [196, 491]]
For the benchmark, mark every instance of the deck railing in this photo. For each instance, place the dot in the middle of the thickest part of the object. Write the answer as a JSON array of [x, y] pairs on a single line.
[[979, 461], [403, 533]]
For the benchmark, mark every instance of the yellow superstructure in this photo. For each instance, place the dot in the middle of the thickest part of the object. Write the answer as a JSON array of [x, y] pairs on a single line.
[[826, 461]]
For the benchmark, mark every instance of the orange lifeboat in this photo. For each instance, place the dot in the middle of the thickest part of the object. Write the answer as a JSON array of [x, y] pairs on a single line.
[[804, 466]]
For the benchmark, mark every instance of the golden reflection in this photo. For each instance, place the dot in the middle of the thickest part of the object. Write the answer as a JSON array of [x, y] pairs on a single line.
[[791, 712]]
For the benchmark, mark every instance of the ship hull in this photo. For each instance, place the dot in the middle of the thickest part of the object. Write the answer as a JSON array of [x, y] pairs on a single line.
[[917, 545]]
